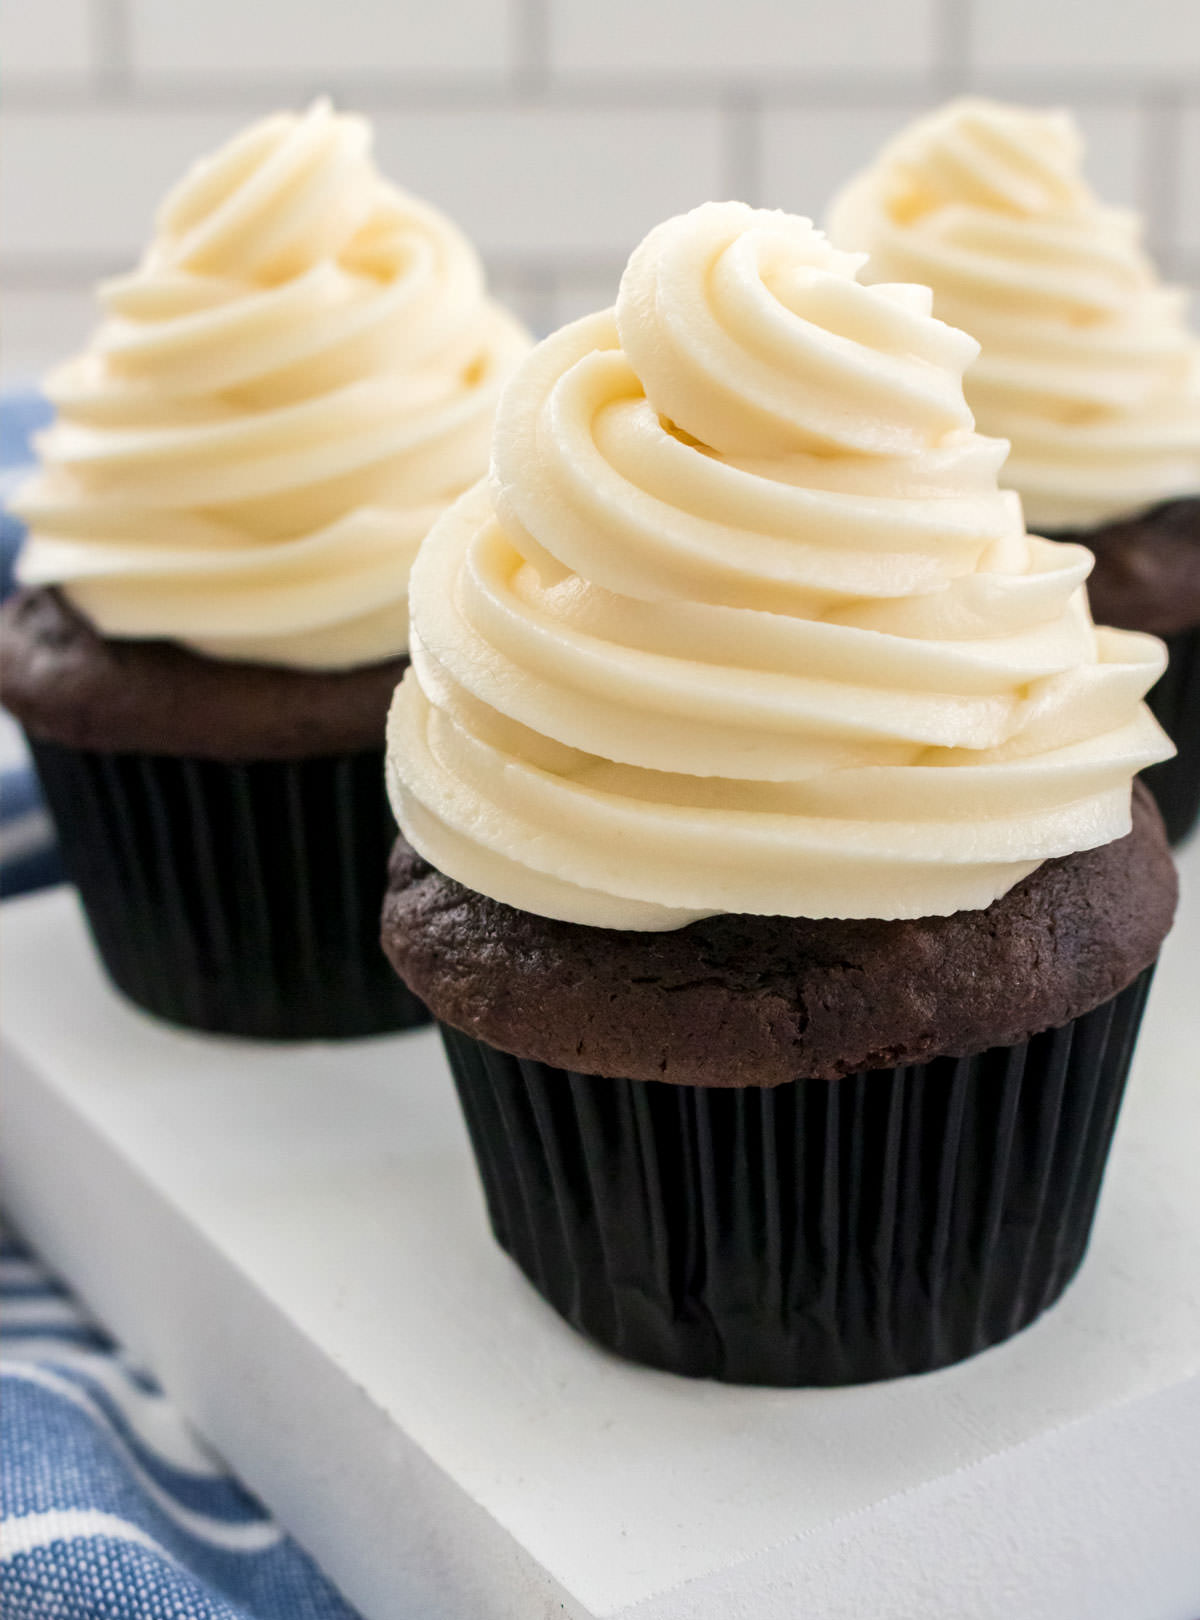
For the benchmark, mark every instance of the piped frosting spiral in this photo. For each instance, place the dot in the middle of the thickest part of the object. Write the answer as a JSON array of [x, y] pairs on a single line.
[[741, 621], [1087, 365], [294, 384]]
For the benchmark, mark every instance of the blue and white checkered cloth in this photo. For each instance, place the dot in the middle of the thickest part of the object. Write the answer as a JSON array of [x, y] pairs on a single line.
[[28, 859], [113, 1509]]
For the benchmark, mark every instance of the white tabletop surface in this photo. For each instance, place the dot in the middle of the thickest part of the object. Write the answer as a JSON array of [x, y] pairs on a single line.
[[294, 1239]]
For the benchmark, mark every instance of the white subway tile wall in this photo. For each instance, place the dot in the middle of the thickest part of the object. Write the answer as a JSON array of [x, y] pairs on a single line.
[[759, 41], [46, 41], [80, 185], [294, 42], [1187, 187], [1105, 39], [556, 185], [555, 131]]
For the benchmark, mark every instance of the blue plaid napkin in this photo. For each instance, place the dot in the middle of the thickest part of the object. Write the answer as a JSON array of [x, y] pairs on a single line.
[[28, 858], [113, 1510]]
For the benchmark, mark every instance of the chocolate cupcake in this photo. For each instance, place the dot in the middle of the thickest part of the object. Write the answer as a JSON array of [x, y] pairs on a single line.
[[1087, 365], [768, 856], [297, 380], [1147, 577]]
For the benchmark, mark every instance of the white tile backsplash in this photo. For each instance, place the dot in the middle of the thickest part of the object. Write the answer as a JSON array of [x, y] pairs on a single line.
[[1116, 149], [581, 294], [232, 41], [555, 131], [809, 152], [45, 41], [556, 183], [754, 39], [527, 183], [1187, 187], [87, 184], [526, 294], [1121, 39]]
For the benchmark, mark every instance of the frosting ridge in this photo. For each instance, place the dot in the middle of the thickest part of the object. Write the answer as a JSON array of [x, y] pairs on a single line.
[[1087, 364], [819, 670], [295, 382]]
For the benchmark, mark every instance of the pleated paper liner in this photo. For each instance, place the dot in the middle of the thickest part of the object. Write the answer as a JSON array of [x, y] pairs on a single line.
[[814, 1233], [1175, 701], [238, 898]]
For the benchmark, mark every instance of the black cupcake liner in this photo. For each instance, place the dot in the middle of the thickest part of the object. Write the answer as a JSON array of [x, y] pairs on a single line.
[[815, 1233], [1175, 702], [238, 898]]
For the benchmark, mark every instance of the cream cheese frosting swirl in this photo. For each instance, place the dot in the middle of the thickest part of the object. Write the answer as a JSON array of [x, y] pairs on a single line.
[[1087, 367], [741, 622], [278, 403]]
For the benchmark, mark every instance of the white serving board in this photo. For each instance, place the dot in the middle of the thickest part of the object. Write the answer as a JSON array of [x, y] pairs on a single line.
[[294, 1241]]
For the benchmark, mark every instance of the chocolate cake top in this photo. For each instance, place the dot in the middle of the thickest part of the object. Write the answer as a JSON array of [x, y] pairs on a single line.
[[65, 682], [745, 1000]]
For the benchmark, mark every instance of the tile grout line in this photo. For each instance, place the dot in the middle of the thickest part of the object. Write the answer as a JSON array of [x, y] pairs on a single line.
[[529, 30], [742, 166], [536, 287], [72, 272], [111, 48], [1161, 118], [532, 79], [952, 26]]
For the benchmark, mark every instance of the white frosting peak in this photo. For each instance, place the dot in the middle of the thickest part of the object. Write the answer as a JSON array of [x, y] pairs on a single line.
[[296, 381], [741, 622], [1087, 365]]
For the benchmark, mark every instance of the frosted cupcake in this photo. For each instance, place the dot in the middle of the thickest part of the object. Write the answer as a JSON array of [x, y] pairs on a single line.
[[767, 851], [1087, 365], [278, 402]]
